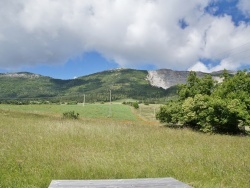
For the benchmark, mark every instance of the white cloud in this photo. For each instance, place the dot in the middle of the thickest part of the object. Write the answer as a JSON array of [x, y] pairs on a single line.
[[131, 32], [227, 64], [199, 66], [244, 6]]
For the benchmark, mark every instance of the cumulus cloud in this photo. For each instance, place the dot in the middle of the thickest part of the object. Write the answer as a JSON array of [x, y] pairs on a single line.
[[169, 34], [199, 66], [224, 64], [244, 6]]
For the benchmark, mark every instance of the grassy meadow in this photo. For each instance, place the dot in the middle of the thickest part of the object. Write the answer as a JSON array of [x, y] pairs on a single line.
[[37, 145], [99, 111]]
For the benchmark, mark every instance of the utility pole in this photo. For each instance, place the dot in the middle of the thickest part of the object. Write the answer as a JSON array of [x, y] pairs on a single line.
[[110, 100], [83, 100]]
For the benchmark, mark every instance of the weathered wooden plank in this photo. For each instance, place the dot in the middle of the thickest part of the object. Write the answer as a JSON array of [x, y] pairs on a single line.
[[120, 183]]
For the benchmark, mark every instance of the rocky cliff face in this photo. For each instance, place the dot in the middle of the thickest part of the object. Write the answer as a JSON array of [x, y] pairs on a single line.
[[165, 78]]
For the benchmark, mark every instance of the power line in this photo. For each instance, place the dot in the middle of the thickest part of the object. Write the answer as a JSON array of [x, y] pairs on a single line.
[[232, 51]]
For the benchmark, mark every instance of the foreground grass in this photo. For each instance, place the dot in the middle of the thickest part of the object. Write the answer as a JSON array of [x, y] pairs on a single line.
[[34, 149]]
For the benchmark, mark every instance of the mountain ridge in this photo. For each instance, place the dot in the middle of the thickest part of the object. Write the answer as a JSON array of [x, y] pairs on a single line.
[[124, 83], [31, 74]]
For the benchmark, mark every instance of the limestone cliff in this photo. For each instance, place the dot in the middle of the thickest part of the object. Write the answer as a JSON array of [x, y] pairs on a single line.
[[165, 78]]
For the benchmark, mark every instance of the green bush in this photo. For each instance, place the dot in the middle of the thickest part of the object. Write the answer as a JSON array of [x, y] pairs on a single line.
[[170, 113], [135, 105], [209, 106], [70, 115], [72, 103]]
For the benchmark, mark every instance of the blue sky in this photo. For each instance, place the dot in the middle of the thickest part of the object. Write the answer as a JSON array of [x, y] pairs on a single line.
[[75, 67], [80, 66], [66, 39]]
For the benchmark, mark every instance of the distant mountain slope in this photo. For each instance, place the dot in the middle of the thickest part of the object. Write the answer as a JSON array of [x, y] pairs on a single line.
[[23, 84], [124, 83]]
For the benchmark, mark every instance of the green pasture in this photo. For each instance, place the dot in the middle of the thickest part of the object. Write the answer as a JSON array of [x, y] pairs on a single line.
[[37, 145], [99, 111]]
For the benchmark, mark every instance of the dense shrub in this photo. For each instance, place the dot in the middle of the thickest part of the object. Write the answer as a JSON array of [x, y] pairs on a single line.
[[70, 115], [135, 105], [72, 103], [210, 106]]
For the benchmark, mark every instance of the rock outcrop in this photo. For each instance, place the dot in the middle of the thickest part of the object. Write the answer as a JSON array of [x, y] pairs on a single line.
[[166, 78]]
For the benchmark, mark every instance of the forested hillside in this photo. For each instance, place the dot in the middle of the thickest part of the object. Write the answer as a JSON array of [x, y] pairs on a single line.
[[124, 83]]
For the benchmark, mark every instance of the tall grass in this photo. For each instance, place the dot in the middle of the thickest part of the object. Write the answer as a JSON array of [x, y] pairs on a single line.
[[148, 112], [36, 148], [99, 111]]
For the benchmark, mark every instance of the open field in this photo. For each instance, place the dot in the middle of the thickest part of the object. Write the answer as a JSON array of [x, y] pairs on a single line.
[[37, 145], [99, 111]]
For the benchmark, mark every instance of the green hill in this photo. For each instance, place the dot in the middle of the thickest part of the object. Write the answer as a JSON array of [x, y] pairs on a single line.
[[124, 83]]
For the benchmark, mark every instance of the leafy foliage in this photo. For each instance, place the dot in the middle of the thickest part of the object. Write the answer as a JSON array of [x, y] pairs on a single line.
[[70, 115], [170, 113], [135, 105], [196, 86], [210, 106]]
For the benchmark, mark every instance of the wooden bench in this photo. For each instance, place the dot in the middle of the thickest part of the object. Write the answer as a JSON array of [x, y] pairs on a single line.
[[120, 183]]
